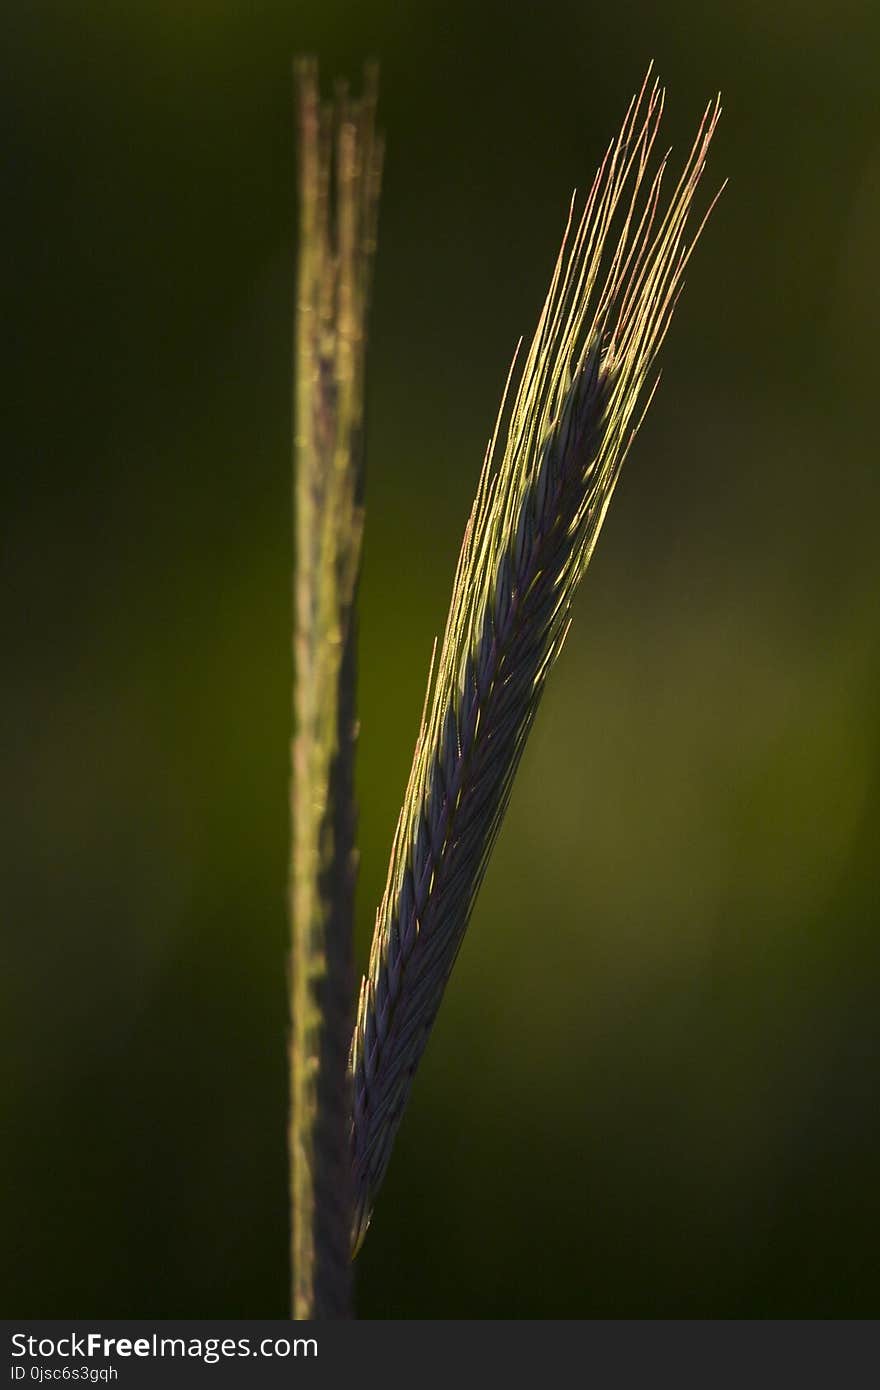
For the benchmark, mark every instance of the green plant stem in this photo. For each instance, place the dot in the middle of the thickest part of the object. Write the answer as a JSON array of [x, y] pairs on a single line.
[[339, 175]]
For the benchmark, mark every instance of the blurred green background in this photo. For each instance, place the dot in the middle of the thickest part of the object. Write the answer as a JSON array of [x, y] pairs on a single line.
[[652, 1088]]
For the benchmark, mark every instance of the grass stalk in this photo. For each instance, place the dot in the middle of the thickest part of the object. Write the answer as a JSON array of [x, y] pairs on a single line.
[[528, 541], [339, 176]]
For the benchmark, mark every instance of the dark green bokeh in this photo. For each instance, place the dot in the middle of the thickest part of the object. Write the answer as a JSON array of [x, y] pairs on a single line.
[[652, 1086]]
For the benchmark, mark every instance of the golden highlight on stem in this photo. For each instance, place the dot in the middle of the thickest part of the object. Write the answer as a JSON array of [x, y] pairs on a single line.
[[339, 177]]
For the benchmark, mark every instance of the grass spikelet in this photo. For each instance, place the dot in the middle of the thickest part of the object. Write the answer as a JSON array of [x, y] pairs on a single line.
[[528, 541], [339, 171]]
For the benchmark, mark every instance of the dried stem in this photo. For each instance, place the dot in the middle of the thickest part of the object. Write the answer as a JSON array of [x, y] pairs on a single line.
[[339, 175]]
